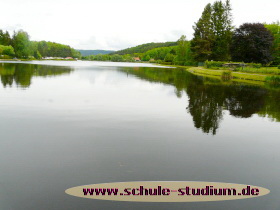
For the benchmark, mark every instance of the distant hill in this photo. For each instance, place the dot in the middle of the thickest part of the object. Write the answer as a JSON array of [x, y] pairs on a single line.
[[144, 48], [95, 52]]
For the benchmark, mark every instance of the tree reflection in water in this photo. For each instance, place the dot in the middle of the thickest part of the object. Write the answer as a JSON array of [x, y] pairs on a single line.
[[21, 74], [209, 97]]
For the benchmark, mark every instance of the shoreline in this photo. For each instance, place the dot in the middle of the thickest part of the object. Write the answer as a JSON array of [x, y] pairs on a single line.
[[230, 75]]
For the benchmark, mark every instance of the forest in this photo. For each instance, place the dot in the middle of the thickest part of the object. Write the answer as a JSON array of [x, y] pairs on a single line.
[[19, 45]]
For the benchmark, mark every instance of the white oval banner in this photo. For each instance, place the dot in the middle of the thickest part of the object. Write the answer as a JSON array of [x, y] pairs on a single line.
[[167, 191]]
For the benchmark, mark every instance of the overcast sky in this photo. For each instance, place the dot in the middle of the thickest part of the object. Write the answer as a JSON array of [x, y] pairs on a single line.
[[118, 24]]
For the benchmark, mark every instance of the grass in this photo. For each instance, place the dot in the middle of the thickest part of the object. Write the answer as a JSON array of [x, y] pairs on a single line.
[[262, 70], [259, 76], [225, 74], [201, 70], [248, 76], [273, 80]]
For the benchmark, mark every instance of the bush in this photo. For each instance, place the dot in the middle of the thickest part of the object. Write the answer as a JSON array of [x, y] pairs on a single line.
[[226, 75], [254, 65], [190, 63], [5, 57], [7, 50], [178, 63], [279, 67], [213, 64], [117, 58]]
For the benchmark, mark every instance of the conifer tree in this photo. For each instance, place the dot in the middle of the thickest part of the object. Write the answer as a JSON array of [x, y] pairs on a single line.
[[202, 42], [221, 21], [213, 33]]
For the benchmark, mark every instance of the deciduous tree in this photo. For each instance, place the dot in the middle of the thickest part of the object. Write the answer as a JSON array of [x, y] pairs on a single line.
[[274, 28], [252, 43]]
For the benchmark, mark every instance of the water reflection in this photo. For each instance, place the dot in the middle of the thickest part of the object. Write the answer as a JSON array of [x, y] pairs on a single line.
[[209, 97], [21, 74]]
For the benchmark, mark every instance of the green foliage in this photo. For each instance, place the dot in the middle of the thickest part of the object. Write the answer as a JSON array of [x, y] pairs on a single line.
[[178, 55], [213, 64], [21, 44], [117, 58], [144, 48], [75, 53], [146, 57], [213, 33], [252, 42], [262, 70], [99, 57], [274, 29], [6, 57], [279, 67], [220, 64], [160, 53], [5, 38], [226, 75], [7, 50], [222, 27], [22, 47], [52, 49], [255, 65], [127, 58], [273, 80], [37, 55], [169, 57], [183, 51], [202, 42]]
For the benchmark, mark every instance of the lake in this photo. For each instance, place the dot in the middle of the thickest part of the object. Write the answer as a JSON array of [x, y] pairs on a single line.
[[66, 124]]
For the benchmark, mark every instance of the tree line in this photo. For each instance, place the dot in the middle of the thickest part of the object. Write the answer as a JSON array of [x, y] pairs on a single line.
[[144, 48], [209, 97], [214, 39], [19, 45]]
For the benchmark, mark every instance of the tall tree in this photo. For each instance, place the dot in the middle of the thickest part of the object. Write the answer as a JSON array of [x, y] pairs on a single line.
[[252, 42], [222, 26], [183, 50], [274, 28], [5, 38], [202, 42], [213, 33], [21, 44]]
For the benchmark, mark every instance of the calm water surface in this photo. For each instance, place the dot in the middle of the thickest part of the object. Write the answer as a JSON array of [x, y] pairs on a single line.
[[66, 124]]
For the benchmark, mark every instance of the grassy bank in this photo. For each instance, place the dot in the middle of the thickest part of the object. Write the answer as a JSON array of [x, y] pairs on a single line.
[[237, 74], [262, 70]]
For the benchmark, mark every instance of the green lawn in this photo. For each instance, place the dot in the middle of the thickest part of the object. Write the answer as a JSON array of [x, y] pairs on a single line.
[[262, 70]]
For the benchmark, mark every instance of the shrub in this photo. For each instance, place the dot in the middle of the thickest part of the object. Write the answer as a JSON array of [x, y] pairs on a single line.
[[190, 63], [254, 65], [5, 57], [226, 75], [213, 64], [7, 50], [179, 63], [279, 67], [117, 58]]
